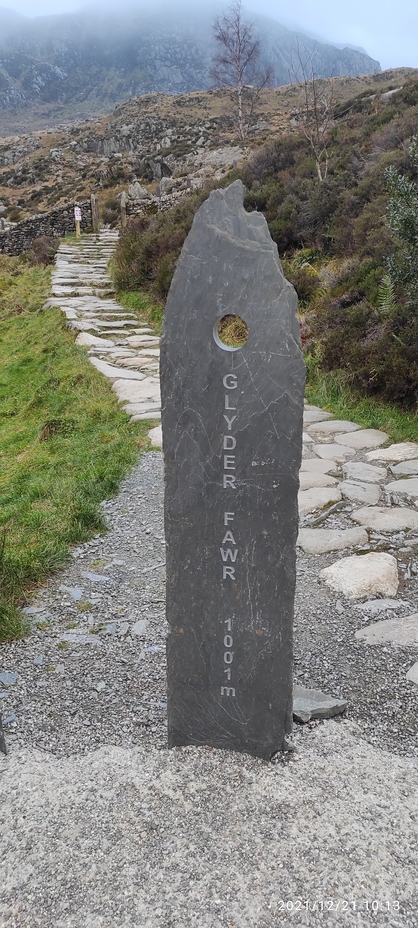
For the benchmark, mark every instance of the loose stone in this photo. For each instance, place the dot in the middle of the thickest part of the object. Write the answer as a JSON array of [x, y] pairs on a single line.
[[139, 628], [312, 704], [156, 437], [7, 678], [3, 746]]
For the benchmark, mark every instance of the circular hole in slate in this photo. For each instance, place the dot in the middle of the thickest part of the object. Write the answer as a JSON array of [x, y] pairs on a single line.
[[230, 332]]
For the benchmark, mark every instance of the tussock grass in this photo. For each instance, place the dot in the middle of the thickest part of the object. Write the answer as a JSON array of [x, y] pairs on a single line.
[[64, 442]]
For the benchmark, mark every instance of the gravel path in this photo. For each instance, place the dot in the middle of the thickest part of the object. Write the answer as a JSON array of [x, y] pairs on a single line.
[[103, 827]]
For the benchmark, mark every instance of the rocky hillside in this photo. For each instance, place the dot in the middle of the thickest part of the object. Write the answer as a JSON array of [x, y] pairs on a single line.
[[174, 142], [82, 64]]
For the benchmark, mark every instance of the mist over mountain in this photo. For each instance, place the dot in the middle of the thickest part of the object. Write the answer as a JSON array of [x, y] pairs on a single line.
[[96, 59]]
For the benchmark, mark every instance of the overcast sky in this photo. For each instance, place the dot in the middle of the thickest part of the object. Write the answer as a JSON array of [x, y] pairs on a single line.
[[387, 30]]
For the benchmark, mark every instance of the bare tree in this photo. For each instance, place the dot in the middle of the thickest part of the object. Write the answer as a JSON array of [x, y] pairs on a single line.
[[318, 106], [235, 67]]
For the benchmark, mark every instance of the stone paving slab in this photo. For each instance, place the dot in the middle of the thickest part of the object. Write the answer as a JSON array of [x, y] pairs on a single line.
[[145, 416], [333, 426], [409, 486], [310, 480], [132, 391], [334, 452], [366, 493], [387, 519], [315, 415], [115, 373], [322, 541], [364, 473], [88, 340], [317, 498], [317, 466], [402, 451], [364, 438], [400, 631], [405, 469]]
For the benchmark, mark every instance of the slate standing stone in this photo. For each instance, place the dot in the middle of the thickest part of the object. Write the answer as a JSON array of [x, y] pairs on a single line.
[[232, 437]]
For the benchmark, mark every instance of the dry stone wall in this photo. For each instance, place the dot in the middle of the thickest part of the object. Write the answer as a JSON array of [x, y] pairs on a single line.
[[57, 222]]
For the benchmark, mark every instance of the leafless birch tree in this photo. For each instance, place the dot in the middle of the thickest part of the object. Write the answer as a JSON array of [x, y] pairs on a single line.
[[317, 109], [235, 67]]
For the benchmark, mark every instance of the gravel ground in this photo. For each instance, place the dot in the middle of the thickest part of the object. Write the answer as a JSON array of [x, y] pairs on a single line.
[[104, 828]]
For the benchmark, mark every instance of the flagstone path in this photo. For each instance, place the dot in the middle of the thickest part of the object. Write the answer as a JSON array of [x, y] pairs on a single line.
[[124, 352], [380, 558]]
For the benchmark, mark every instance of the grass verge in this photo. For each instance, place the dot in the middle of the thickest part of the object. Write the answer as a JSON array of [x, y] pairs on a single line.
[[332, 392], [64, 442], [148, 310]]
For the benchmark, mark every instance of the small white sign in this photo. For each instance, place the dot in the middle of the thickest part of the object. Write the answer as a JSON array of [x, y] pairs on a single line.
[[77, 214]]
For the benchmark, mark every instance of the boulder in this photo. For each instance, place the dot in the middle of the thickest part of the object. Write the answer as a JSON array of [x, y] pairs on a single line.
[[137, 192], [365, 575]]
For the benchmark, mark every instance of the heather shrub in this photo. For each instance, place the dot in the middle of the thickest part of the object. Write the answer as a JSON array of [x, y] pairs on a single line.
[[149, 247]]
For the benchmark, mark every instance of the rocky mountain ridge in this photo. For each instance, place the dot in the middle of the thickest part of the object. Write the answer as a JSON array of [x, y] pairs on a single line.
[[94, 61]]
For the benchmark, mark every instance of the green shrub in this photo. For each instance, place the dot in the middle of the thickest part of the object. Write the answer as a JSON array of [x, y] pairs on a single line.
[[149, 246]]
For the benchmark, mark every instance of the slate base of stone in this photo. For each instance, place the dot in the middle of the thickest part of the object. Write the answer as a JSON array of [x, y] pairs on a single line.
[[412, 674], [312, 704], [3, 746]]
